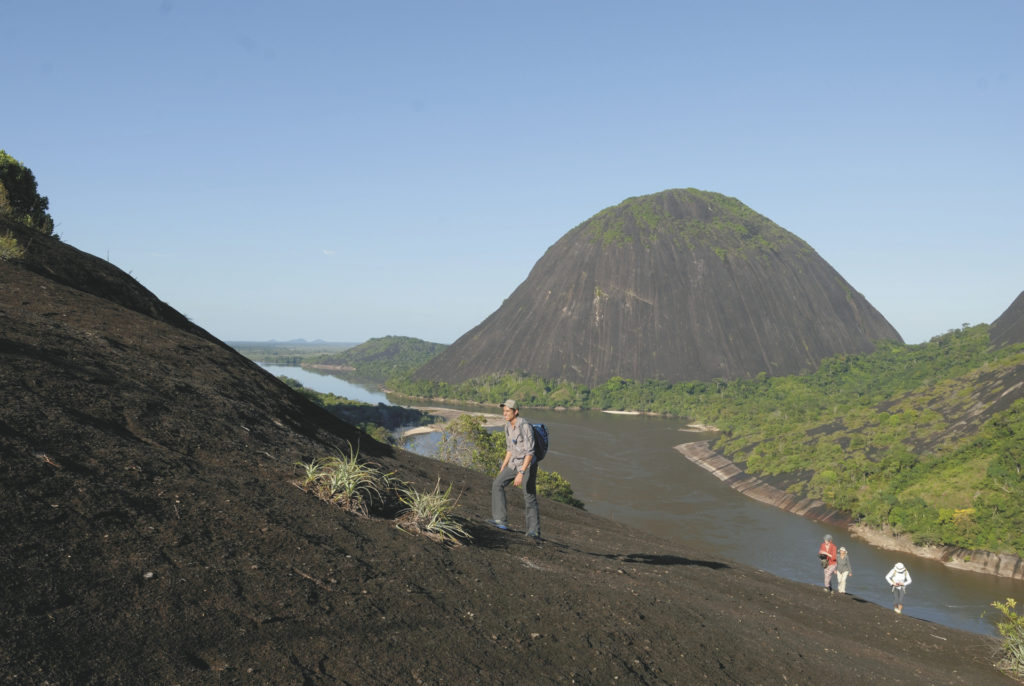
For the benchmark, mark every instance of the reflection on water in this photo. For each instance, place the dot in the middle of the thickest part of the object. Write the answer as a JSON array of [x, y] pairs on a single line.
[[626, 468], [326, 383]]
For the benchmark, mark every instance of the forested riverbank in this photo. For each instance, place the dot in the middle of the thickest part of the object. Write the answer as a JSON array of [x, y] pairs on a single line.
[[1004, 565], [926, 440]]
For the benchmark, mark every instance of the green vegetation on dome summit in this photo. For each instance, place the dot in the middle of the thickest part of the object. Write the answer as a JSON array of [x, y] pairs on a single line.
[[716, 221]]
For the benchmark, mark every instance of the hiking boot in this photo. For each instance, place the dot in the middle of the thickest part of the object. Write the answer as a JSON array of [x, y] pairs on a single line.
[[534, 535], [498, 524]]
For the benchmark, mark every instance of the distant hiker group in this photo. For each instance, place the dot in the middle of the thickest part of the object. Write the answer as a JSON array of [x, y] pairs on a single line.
[[837, 562]]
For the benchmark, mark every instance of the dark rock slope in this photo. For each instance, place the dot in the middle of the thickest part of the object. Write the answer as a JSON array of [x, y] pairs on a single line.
[[681, 285], [151, 534], [1009, 327]]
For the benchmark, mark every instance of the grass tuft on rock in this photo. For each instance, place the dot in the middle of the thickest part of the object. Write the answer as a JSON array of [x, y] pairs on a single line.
[[356, 486], [364, 489], [430, 514]]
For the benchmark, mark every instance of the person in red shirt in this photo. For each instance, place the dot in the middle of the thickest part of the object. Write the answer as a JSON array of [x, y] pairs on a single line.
[[827, 555]]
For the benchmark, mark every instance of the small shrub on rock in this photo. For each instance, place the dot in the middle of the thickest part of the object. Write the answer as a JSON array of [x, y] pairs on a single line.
[[10, 249], [1012, 631]]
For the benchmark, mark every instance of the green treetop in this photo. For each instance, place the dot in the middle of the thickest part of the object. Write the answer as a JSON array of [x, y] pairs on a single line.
[[19, 197]]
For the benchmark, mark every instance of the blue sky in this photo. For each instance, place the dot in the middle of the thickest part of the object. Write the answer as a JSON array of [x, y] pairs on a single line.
[[346, 170]]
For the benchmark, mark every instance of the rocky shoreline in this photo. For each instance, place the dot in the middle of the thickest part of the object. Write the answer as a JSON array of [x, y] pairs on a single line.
[[984, 562], [701, 454], [981, 561]]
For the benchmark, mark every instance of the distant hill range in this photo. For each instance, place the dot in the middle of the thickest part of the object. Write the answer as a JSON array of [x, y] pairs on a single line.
[[1009, 327], [681, 285], [379, 358]]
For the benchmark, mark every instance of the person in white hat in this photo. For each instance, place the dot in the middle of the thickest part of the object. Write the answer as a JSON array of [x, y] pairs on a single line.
[[844, 569], [898, 578]]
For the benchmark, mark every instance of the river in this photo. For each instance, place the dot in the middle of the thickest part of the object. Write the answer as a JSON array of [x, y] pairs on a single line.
[[326, 383], [626, 468]]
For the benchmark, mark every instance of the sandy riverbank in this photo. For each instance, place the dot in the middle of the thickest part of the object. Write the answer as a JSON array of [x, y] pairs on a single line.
[[447, 414]]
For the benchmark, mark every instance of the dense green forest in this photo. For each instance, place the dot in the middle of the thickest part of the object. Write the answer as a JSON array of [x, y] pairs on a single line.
[[927, 439]]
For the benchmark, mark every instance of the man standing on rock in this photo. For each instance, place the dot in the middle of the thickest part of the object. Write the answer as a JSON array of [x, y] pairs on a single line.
[[827, 554], [518, 468]]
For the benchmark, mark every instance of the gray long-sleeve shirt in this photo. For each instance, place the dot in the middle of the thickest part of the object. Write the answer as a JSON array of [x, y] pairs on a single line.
[[518, 441]]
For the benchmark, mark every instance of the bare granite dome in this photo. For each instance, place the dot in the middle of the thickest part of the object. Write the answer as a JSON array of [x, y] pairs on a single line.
[[681, 285], [1009, 327]]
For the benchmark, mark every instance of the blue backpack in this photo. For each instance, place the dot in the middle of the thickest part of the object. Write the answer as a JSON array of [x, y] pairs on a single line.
[[540, 441]]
